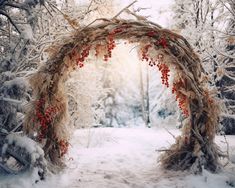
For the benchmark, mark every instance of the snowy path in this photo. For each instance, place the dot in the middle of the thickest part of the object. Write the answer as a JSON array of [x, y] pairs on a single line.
[[123, 158], [126, 158], [118, 157]]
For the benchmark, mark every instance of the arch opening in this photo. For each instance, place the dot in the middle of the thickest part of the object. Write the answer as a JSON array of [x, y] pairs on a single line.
[[159, 47]]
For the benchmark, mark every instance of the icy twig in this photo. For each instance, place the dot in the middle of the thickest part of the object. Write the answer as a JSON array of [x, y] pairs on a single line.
[[170, 133], [124, 9], [10, 100]]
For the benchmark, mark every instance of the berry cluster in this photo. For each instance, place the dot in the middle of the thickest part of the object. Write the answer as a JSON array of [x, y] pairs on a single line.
[[163, 68], [144, 54], [44, 117], [111, 42], [110, 46], [162, 42], [183, 105], [63, 145], [41, 118], [165, 73], [118, 30], [180, 97], [84, 54], [152, 62], [151, 33], [177, 85]]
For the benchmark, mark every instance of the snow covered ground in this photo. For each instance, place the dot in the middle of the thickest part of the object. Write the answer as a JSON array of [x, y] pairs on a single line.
[[124, 158]]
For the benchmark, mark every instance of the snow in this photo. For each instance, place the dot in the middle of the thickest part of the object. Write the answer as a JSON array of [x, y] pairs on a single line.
[[112, 157], [27, 32], [124, 158], [26, 180], [14, 88], [24, 142]]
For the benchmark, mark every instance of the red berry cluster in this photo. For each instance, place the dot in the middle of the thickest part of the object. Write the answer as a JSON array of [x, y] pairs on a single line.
[[152, 62], [165, 73], [177, 85], [162, 42], [151, 33], [145, 50], [111, 42], [144, 55], [161, 66], [183, 105], [50, 113], [180, 97], [44, 117], [41, 118], [117, 30], [63, 145], [84, 54], [110, 46]]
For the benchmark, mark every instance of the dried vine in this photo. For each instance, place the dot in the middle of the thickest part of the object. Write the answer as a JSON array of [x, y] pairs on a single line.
[[168, 51]]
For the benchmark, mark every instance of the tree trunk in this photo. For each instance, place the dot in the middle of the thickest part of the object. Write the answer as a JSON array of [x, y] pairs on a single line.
[[147, 98], [142, 95]]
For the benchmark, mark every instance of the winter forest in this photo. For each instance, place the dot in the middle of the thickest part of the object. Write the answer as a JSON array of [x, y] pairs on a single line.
[[117, 94]]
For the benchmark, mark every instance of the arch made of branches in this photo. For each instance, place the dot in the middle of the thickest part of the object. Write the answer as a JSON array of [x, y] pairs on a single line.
[[159, 47]]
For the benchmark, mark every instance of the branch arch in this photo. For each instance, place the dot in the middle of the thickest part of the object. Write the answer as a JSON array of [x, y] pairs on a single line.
[[157, 46]]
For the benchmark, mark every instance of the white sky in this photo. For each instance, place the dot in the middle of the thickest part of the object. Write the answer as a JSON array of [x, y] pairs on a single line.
[[159, 10]]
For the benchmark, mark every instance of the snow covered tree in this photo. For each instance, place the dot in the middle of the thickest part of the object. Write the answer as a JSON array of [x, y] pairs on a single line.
[[202, 23], [121, 92], [226, 72], [84, 90], [27, 28], [19, 54], [18, 20]]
